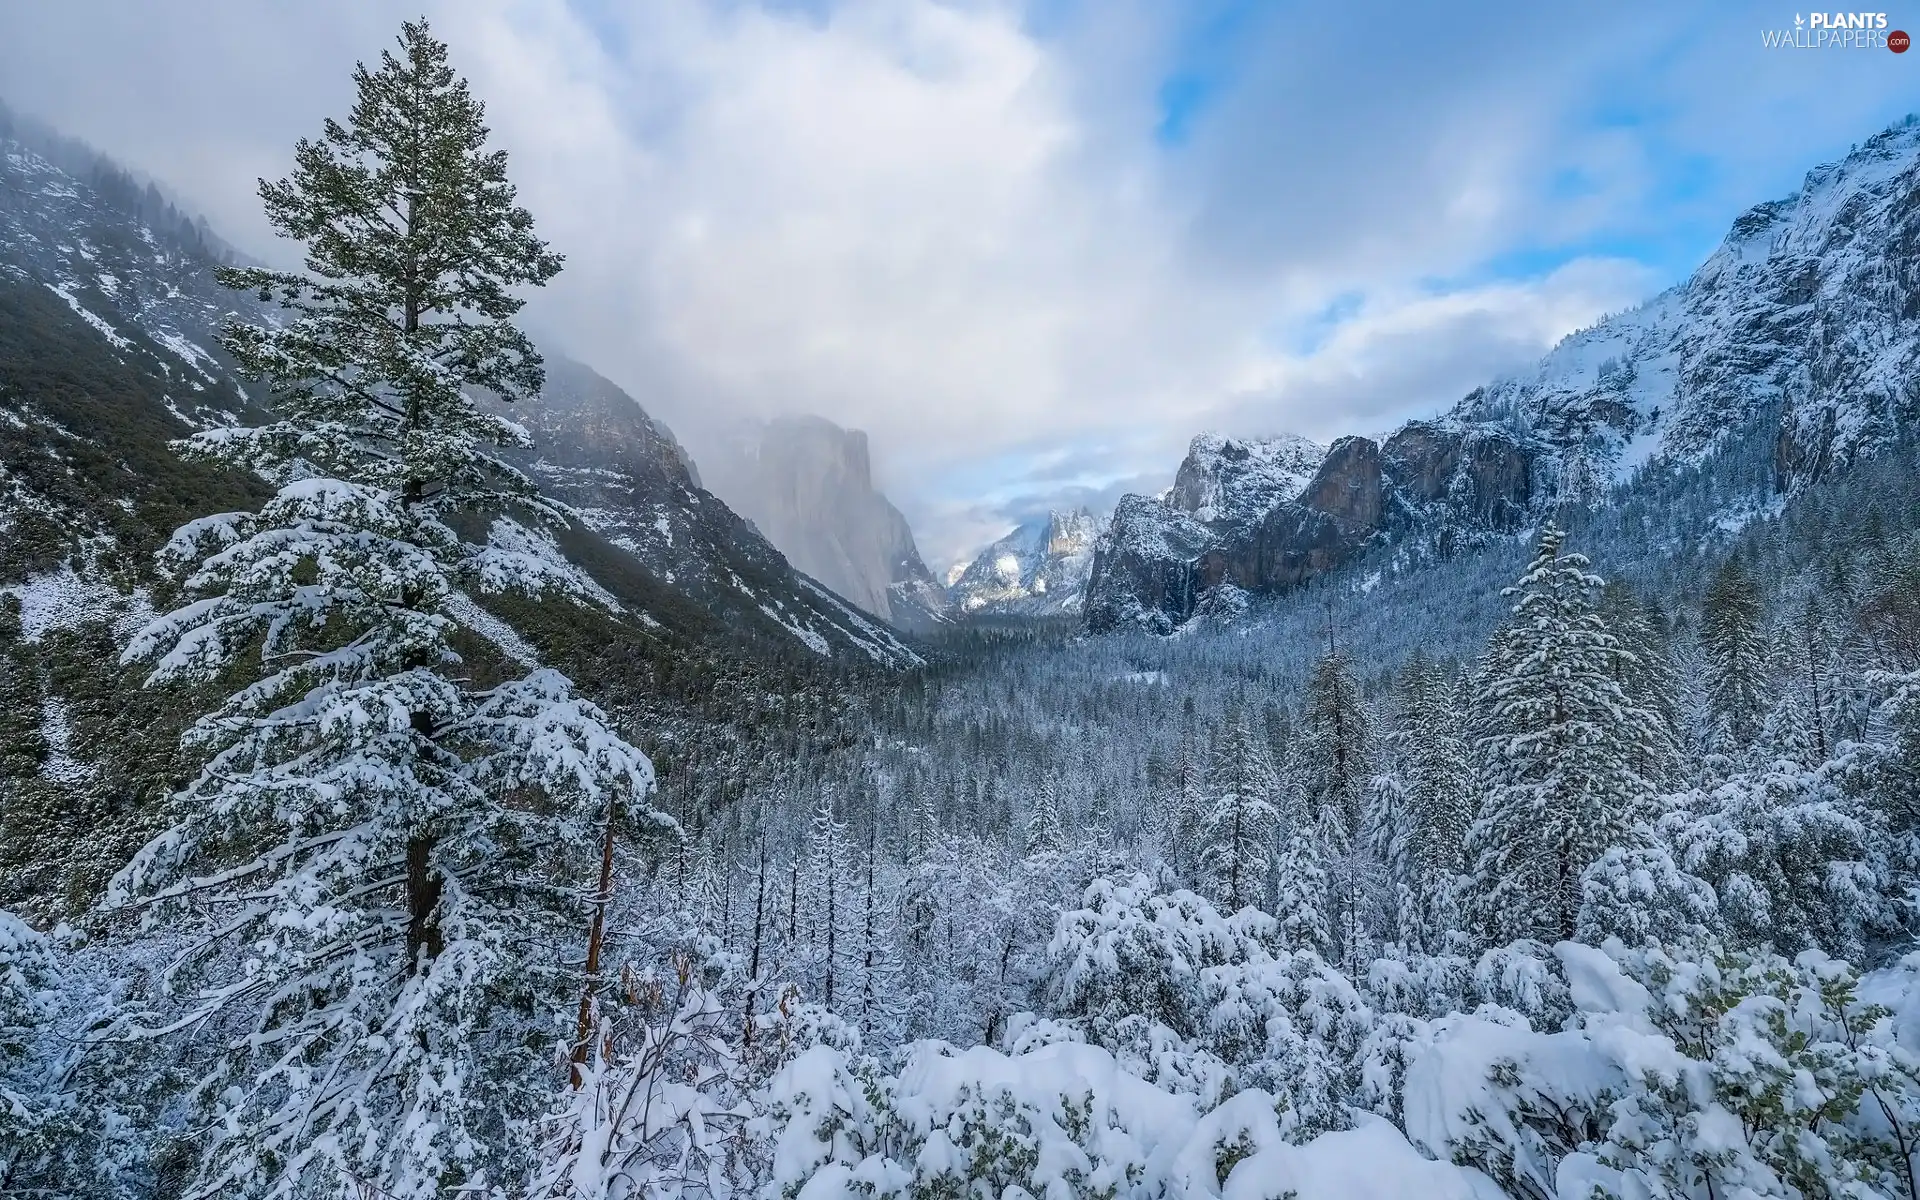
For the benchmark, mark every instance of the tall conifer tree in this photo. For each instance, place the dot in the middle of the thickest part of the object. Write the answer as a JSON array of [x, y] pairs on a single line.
[[376, 841], [1562, 754]]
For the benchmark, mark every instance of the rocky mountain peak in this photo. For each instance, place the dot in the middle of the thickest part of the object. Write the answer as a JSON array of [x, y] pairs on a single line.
[[1242, 478], [1040, 569], [807, 484], [1806, 318]]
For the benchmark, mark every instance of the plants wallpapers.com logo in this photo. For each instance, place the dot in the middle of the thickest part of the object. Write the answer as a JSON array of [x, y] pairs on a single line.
[[1837, 31]]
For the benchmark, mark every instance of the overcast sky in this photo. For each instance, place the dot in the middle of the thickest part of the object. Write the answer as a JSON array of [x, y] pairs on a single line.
[[1030, 248]]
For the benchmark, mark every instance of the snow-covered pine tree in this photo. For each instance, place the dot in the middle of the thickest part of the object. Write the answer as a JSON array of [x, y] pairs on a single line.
[[827, 900], [1046, 820], [375, 840], [1334, 756], [1301, 904], [60, 1137], [1646, 675], [1181, 807], [1436, 769], [881, 977], [1561, 751], [1733, 636], [1237, 832], [1393, 896], [1333, 765]]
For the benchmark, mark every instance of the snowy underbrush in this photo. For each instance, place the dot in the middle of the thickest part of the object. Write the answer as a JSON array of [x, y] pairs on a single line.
[[1186, 1054]]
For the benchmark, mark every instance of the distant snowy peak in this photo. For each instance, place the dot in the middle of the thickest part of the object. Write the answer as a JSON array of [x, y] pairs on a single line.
[[1040, 569], [1241, 479], [1806, 310]]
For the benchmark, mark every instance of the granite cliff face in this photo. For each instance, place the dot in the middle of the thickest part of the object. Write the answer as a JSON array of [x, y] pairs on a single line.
[[634, 485], [807, 484], [1157, 563]]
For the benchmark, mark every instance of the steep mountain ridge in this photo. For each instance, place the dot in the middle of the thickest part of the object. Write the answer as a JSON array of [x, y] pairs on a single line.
[[145, 292], [1811, 303], [807, 484], [1038, 570], [1807, 315], [1156, 563]]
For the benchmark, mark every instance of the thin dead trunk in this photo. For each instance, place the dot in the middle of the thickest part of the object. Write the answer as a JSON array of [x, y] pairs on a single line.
[[596, 935]]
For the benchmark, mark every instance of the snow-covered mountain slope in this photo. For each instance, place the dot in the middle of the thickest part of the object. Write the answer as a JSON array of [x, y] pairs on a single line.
[[623, 471], [1806, 320], [807, 484], [1810, 306], [123, 260], [1038, 570], [109, 322], [1241, 479]]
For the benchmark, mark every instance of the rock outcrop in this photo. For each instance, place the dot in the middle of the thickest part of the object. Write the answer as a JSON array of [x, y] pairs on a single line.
[[807, 484], [1157, 563]]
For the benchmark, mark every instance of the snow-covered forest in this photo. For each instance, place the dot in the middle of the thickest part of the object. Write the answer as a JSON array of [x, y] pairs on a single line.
[[1577, 863]]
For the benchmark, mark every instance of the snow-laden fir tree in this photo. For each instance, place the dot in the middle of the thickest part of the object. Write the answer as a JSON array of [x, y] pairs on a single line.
[[1300, 875], [1646, 675], [1333, 765], [61, 1135], [1334, 755], [1182, 805], [1393, 894], [1046, 831], [829, 912], [1435, 768], [1733, 636], [1237, 832], [374, 847], [1561, 753]]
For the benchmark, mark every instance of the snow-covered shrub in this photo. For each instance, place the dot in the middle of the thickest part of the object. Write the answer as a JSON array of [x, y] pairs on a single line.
[[1789, 854], [1524, 978], [1775, 1078], [1064, 1120], [1172, 987], [1692, 1073], [1638, 894], [657, 1108], [56, 1140]]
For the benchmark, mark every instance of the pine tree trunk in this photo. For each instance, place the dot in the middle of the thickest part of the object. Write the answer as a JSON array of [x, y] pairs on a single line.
[[596, 935], [753, 964], [423, 899]]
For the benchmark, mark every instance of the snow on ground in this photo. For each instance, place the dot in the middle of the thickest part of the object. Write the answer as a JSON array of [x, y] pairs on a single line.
[[107, 331], [470, 615], [810, 639], [516, 556], [56, 728], [59, 599]]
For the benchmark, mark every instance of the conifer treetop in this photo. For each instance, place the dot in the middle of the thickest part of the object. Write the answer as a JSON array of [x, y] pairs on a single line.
[[415, 246]]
